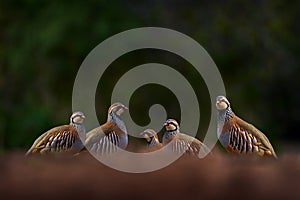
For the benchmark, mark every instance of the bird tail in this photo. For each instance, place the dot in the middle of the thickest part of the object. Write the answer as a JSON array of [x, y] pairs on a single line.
[[28, 153], [31, 151]]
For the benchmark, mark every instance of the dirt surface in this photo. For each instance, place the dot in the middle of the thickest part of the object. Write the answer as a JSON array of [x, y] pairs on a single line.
[[83, 177]]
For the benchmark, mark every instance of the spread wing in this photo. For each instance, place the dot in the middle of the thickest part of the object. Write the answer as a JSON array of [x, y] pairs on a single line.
[[58, 139]]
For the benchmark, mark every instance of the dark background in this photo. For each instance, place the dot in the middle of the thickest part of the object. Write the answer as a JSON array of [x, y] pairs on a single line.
[[255, 45]]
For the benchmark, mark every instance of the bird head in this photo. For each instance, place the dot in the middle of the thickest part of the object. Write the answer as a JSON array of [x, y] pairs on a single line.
[[222, 103], [117, 109], [149, 134], [77, 117], [171, 125]]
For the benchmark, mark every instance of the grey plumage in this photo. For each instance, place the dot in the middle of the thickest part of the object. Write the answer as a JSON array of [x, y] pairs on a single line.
[[105, 139], [182, 143], [151, 137]]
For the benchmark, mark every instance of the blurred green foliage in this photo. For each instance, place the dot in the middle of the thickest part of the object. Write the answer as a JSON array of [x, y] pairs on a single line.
[[255, 45]]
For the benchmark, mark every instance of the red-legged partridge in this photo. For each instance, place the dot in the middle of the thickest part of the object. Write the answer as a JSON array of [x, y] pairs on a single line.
[[153, 143], [182, 143], [105, 138], [62, 138], [238, 136]]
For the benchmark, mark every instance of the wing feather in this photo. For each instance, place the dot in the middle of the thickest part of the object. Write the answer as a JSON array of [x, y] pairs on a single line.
[[54, 139], [263, 141], [185, 143]]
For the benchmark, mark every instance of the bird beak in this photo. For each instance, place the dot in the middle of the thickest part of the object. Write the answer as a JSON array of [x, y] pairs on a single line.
[[166, 124], [83, 117], [125, 108]]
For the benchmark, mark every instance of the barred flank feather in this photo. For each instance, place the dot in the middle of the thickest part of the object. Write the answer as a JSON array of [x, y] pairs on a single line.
[[61, 138], [107, 138], [182, 143], [238, 136]]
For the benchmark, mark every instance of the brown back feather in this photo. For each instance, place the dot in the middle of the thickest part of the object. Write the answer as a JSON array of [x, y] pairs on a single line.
[[257, 133], [41, 141]]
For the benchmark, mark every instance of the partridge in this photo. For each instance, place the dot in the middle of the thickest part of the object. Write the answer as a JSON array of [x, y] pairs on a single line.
[[105, 138], [238, 136], [62, 138], [152, 139], [183, 143]]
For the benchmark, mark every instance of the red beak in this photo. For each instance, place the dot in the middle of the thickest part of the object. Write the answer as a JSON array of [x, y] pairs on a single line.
[[166, 124]]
